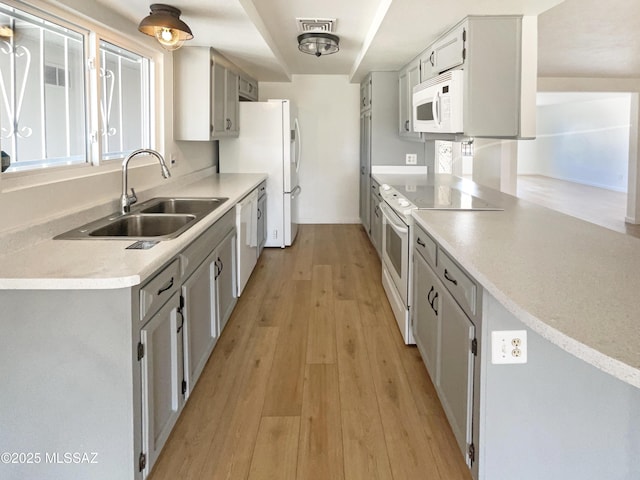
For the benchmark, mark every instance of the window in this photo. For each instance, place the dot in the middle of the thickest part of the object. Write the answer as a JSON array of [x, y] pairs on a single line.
[[46, 106], [444, 157], [42, 122], [124, 101]]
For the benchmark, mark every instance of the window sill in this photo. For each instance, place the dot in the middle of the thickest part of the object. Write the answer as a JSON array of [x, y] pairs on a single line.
[[15, 181]]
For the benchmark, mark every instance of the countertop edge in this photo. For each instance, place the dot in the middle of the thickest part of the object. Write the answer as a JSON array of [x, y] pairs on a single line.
[[601, 361], [133, 278]]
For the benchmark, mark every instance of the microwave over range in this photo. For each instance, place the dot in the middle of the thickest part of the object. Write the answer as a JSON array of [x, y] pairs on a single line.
[[438, 104]]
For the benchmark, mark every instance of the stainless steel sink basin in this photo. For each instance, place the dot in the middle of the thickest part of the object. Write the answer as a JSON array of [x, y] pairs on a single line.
[[144, 226], [181, 205], [161, 218]]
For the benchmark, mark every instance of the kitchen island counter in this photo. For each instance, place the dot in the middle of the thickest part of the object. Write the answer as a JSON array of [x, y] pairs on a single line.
[[575, 283]]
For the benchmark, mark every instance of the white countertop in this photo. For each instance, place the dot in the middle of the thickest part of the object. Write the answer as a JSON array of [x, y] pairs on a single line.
[[575, 283], [44, 263]]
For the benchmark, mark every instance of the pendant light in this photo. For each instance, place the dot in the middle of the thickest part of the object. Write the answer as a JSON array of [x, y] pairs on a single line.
[[164, 23], [318, 43]]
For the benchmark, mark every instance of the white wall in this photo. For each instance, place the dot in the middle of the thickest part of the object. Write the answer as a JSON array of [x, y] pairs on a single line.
[[30, 198], [328, 110], [584, 141]]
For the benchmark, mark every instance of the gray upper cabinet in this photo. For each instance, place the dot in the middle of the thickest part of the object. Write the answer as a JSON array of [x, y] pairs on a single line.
[[365, 94], [448, 52], [408, 78], [205, 95], [498, 58], [247, 89]]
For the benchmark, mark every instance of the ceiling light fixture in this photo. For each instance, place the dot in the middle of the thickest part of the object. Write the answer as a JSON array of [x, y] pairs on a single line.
[[164, 23], [318, 43]]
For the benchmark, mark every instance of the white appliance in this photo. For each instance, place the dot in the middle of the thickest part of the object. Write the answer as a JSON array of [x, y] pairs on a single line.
[[269, 142], [396, 266], [438, 104], [247, 237]]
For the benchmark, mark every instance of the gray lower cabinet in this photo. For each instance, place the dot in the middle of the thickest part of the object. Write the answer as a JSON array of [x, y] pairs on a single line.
[[162, 378], [201, 330], [376, 218], [104, 372], [176, 342], [445, 336], [225, 279], [262, 218], [456, 370], [365, 168], [426, 315]]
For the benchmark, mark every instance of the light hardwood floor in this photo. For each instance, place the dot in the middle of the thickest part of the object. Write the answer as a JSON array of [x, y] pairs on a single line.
[[596, 205], [310, 379]]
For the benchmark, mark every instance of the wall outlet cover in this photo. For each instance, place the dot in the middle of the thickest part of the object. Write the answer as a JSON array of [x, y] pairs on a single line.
[[411, 159], [509, 346]]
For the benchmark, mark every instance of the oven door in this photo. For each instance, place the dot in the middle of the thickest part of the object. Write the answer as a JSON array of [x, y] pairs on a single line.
[[395, 250]]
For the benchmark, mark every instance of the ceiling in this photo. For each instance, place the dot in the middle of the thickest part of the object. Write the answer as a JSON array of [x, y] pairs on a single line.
[[576, 37]]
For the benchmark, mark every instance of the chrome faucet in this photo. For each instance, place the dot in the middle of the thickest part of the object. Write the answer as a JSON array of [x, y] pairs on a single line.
[[127, 200]]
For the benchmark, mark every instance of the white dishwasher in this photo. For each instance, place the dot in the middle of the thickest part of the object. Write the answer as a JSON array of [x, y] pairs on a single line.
[[246, 223]]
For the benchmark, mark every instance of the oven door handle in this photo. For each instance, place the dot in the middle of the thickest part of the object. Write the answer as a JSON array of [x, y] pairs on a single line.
[[388, 214]]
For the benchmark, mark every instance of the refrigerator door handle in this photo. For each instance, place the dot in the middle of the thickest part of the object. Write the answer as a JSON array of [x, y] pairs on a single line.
[[296, 191], [299, 143]]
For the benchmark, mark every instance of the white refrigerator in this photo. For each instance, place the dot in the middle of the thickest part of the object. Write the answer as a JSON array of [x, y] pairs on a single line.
[[269, 142]]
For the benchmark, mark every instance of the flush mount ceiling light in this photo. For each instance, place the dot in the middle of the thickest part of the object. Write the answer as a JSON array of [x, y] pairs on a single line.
[[318, 43], [164, 23]]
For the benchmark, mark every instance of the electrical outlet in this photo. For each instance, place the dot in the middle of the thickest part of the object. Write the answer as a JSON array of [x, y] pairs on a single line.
[[411, 159], [509, 346]]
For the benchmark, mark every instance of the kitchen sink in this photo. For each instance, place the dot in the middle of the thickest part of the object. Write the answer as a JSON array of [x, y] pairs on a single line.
[[181, 205], [160, 218], [144, 226]]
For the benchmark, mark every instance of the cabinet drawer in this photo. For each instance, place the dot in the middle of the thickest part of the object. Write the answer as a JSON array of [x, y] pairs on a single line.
[[424, 244], [194, 254], [461, 286], [159, 289]]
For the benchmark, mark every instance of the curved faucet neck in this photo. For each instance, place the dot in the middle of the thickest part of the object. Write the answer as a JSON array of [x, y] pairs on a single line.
[[127, 200]]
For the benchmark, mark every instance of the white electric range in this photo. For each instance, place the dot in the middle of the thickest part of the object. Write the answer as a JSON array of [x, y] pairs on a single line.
[[438, 192]]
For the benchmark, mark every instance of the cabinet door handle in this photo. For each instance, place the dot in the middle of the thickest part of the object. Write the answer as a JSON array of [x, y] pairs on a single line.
[[181, 321], [406, 125], [361, 170], [219, 265], [420, 242], [448, 276], [429, 294], [166, 286], [259, 214], [433, 301], [432, 59]]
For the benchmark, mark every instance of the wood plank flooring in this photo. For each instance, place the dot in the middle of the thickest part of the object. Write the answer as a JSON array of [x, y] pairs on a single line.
[[596, 205], [310, 379]]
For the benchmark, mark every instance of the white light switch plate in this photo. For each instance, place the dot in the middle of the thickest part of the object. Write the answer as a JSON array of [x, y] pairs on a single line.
[[411, 159], [509, 346]]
